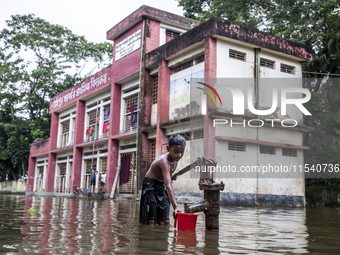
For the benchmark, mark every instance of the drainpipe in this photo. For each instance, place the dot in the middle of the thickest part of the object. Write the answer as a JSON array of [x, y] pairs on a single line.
[[138, 100], [256, 88]]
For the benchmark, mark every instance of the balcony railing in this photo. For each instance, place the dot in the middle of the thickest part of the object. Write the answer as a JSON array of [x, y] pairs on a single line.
[[64, 140], [130, 125]]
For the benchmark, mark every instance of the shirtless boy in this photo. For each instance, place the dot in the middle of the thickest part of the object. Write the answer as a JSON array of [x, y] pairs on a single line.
[[157, 189]]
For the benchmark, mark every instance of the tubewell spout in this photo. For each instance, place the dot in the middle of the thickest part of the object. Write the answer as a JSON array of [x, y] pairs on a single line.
[[198, 207]]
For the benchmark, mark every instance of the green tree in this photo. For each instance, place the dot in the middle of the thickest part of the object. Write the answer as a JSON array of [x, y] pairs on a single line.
[[38, 60]]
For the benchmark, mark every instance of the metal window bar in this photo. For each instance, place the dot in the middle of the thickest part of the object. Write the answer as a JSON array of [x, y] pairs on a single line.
[[289, 152], [40, 178], [287, 69], [154, 89], [92, 132], [129, 102], [236, 146], [172, 33], [106, 120], [87, 168], [152, 150], [129, 187], [267, 63], [198, 134], [182, 66], [199, 59], [61, 179], [237, 55], [267, 150]]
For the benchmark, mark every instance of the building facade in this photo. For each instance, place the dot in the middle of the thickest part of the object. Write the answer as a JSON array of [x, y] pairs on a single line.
[[120, 118]]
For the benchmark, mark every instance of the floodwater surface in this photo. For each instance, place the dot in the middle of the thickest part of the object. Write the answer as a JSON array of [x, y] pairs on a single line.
[[56, 225]]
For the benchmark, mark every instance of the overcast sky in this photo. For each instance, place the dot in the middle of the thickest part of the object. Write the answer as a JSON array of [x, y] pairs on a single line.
[[83, 17]]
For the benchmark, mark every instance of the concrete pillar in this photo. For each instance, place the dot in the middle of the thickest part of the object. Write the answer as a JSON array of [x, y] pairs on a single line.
[[209, 74], [31, 174], [164, 73]]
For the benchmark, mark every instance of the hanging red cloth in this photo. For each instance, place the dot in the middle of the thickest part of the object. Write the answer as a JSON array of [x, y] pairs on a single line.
[[125, 169], [105, 127]]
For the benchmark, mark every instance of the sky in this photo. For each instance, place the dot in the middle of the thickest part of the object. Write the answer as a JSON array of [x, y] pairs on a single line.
[[91, 19]]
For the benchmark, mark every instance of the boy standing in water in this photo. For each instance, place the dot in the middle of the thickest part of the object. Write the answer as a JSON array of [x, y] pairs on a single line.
[[157, 189]]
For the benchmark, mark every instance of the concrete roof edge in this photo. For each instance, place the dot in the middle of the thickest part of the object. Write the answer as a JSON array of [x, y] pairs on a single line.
[[222, 27], [148, 12]]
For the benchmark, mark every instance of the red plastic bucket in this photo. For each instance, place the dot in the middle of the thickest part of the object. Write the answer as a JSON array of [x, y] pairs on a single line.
[[186, 221]]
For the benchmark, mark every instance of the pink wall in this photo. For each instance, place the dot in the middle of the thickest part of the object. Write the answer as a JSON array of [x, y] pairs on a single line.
[[40, 148], [88, 86], [152, 35], [129, 64]]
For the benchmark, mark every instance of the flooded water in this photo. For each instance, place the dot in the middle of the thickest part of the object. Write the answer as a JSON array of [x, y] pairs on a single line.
[[46, 225]]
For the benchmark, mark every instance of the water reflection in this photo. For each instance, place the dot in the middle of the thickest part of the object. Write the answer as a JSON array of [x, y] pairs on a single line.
[[71, 226]]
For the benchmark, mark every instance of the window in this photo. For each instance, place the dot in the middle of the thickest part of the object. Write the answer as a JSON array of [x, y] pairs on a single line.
[[267, 150], [92, 129], [198, 134], [106, 113], [171, 35], [64, 137], [154, 89], [287, 69], [131, 113], [199, 59], [187, 136], [237, 55], [267, 63], [236, 146], [289, 152], [188, 64], [152, 150], [182, 66]]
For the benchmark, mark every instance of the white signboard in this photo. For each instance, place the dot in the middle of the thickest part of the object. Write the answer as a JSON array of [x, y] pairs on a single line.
[[128, 45]]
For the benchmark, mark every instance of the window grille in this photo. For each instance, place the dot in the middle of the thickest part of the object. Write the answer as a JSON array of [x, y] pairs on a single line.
[[154, 89], [87, 167], [198, 134], [182, 66], [92, 129], [237, 55], [236, 146], [131, 113], [65, 133], [267, 63], [152, 150], [39, 179], [188, 64], [289, 152], [106, 113], [172, 34], [187, 136], [199, 59], [287, 69], [129, 187], [103, 164], [267, 150], [61, 179]]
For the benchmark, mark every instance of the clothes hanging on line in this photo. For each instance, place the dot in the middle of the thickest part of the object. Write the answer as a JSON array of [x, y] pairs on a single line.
[[105, 127]]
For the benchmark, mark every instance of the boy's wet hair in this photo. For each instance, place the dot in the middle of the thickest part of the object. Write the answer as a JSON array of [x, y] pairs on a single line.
[[176, 139]]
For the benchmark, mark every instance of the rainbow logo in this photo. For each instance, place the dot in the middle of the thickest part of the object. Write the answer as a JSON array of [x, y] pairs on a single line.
[[204, 100]]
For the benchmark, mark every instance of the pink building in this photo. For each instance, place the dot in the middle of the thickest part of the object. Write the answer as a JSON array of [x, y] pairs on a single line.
[[121, 117]]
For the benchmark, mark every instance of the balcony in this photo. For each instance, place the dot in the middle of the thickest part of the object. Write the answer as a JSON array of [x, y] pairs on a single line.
[[64, 140]]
